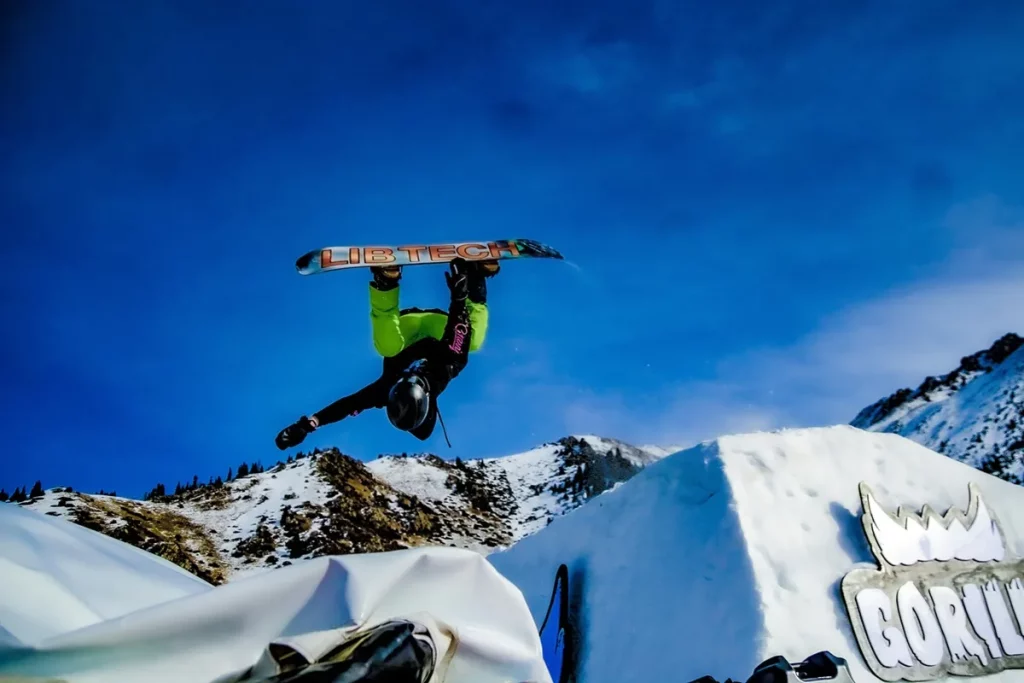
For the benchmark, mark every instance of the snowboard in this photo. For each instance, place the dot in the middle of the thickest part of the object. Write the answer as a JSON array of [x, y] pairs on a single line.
[[327, 259], [555, 637]]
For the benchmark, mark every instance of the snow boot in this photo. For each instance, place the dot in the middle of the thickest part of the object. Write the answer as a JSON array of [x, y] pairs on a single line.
[[386, 278], [487, 268], [478, 272]]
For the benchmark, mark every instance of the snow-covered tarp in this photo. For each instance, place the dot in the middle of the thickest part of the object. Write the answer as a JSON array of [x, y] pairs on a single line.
[[82, 607]]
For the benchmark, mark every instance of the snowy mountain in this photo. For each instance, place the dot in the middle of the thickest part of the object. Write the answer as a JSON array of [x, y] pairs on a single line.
[[706, 562], [720, 556], [326, 503], [974, 414]]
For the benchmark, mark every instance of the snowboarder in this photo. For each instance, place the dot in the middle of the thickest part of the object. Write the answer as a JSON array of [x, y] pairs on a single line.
[[423, 351]]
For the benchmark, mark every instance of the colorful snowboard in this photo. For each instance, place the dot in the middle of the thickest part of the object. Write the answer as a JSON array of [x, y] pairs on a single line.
[[340, 258]]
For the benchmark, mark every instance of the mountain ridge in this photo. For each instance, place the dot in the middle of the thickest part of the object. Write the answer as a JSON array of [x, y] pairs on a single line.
[[973, 414], [326, 502]]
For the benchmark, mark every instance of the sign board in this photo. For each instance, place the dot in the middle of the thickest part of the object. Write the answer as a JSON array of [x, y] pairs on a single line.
[[946, 598]]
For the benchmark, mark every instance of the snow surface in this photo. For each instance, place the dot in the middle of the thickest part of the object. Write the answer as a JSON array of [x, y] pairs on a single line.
[[58, 576], [982, 414], [412, 476], [715, 558], [529, 475], [254, 500], [706, 562], [642, 456], [663, 451]]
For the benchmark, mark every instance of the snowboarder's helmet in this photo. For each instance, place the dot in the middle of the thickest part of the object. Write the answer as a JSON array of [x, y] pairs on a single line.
[[408, 402]]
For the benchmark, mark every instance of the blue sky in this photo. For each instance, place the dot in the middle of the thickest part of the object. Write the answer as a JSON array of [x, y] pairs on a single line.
[[828, 195]]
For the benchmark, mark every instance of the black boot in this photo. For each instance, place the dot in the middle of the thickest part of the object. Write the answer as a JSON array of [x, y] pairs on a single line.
[[479, 271], [294, 434], [386, 278]]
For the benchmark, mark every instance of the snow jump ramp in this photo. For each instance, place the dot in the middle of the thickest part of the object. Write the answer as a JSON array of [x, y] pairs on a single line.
[[720, 556]]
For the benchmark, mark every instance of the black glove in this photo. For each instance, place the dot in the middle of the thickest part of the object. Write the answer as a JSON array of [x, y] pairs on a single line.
[[458, 279], [294, 434]]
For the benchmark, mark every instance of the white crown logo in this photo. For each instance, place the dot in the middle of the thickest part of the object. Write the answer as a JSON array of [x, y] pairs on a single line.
[[909, 538]]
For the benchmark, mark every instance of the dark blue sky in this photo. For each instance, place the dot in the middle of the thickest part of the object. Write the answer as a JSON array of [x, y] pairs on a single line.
[[827, 196]]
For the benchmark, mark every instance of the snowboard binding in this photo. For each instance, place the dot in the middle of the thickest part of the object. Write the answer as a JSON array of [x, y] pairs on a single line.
[[386, 277]]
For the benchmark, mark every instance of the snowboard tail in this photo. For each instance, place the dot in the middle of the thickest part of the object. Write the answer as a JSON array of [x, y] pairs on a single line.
[[342, 258]]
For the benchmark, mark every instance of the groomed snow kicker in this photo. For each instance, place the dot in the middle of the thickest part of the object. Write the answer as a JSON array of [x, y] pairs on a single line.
[[723, 555]]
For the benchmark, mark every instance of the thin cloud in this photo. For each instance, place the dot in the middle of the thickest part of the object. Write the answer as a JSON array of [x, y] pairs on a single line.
[[854, 357]]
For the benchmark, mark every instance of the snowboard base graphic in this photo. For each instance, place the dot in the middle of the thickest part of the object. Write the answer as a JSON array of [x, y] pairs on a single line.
[[327, 259]]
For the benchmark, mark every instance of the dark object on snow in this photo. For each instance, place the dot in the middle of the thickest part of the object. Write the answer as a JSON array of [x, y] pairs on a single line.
[[821, 666], [396, 651]]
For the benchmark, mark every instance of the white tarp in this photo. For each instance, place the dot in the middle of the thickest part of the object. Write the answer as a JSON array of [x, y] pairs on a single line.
[[148, 621], [56, 576]]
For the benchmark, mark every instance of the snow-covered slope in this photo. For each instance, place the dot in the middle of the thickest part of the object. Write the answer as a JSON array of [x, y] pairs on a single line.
[[326, 503], [717, 557], [974, 414]]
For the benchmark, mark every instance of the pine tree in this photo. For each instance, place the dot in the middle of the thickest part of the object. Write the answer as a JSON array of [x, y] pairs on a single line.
[[290, 460], [195, 481], [159, 491], [218, 482], [230, 476], [19, 495], [37, 490], [243, 471], [177, 489], [3, 496]]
